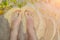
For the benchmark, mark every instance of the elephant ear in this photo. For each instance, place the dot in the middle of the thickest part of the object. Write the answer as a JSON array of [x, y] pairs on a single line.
[[50, 29], [4, 28]]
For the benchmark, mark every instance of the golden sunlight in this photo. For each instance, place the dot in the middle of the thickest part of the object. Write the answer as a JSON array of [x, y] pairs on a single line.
[[56, 3]]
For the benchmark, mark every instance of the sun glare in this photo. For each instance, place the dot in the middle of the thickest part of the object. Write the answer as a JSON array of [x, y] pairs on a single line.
[[56, 3]]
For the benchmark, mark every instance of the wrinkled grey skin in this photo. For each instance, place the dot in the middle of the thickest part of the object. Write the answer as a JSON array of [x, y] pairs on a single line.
[[4, 28], [21, 34]]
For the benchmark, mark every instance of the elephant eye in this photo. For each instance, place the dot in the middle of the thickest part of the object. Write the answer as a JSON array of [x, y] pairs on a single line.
[[15, 14]]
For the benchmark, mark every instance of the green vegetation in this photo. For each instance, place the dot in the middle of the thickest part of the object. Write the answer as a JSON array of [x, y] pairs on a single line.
[[5, 4]]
